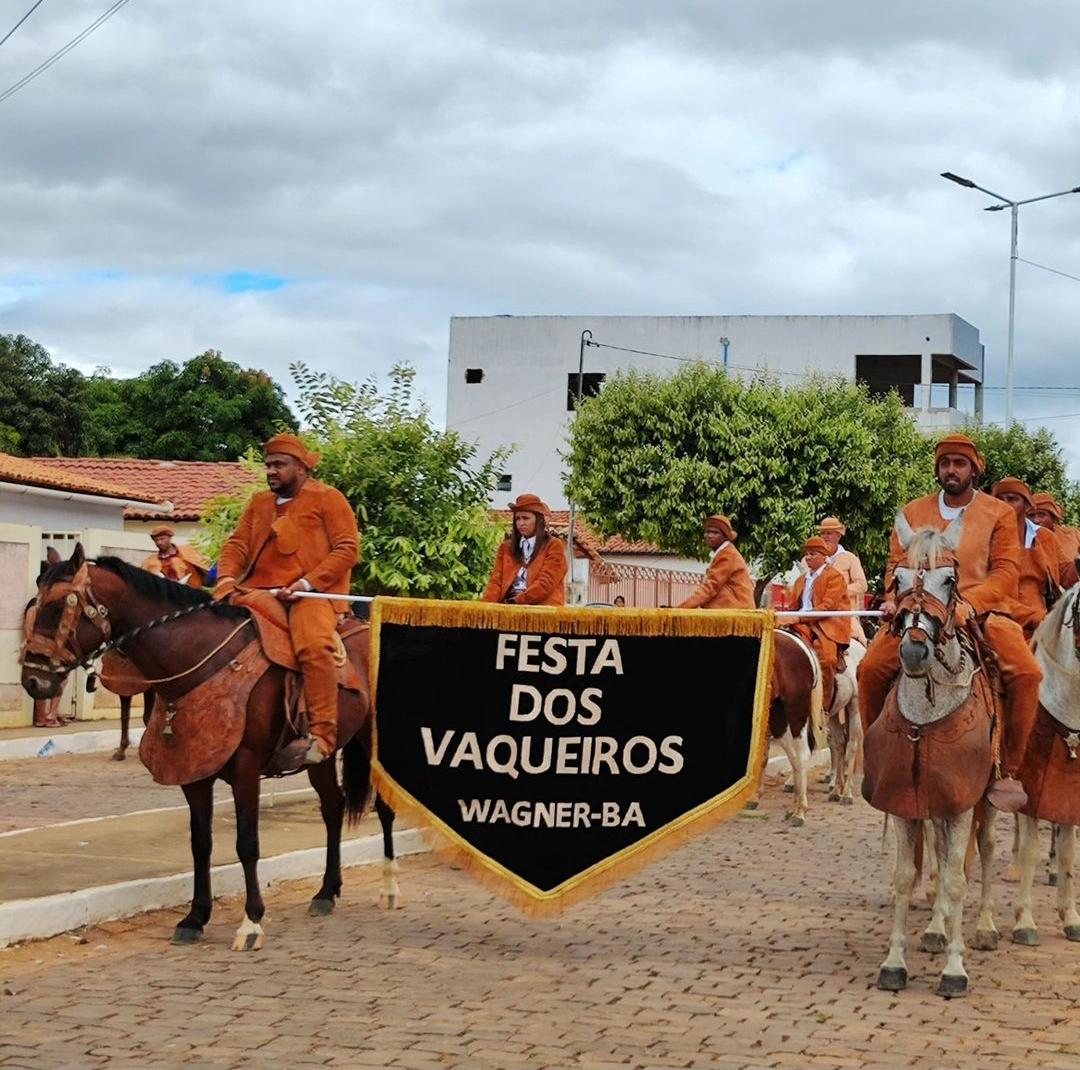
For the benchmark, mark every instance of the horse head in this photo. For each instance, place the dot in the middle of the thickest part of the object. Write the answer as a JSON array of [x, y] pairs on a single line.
[[69, 625], [926, 592]]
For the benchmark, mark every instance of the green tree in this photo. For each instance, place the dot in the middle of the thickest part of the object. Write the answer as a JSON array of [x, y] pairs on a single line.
[[650, 456], [1033, 456], [420, 494], [208, 409], [41, 403]]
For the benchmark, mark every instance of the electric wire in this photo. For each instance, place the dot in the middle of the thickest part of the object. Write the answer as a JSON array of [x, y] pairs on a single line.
[[1053, 271], [59, 54], [21, 21]]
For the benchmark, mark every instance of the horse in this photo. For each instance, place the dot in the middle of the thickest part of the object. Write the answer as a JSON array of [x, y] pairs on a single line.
[[182, 642], [844, 728], [929, 755], [1051, 769], [794, 712]]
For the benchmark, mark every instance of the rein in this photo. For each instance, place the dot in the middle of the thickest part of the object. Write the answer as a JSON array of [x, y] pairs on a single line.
[[80, 601]]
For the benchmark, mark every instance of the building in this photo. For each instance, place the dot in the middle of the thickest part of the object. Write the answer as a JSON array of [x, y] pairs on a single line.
[[512, 379]]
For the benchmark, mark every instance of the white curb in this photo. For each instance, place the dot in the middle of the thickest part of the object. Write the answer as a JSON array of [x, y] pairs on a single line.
[[35, 919], [69, 743]]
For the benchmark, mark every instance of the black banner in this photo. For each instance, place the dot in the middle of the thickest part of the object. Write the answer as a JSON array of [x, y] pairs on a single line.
[[555, 748]]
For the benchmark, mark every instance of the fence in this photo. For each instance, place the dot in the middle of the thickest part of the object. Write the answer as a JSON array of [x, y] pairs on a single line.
[[643, 587]]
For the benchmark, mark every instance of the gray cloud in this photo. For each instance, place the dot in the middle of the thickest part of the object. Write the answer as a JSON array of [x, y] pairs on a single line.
[[406, 161]]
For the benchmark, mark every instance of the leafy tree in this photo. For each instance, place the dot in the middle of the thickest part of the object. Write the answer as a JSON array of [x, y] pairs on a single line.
[[1033, 456], [650, 456], [222, 514], [208, 409], [41, 402], [419, 494]]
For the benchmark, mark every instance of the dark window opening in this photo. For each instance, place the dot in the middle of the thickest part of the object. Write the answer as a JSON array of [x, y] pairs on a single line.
[[474, 375], [505, 481], [590, 387], [884, 373]]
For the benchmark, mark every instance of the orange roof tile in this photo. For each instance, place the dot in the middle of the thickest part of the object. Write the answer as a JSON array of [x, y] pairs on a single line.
[[38, 472], [188, 485], [615, 545]]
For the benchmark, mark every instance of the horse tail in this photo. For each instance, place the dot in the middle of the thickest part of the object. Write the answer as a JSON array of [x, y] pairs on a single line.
[[355, 778]]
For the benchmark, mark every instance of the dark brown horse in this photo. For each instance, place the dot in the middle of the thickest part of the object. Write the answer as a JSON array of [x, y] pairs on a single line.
[[178, 639]]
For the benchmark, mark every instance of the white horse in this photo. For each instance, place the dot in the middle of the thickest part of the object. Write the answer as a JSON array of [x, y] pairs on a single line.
[[844, 728], [1051, 771], [938, 677]]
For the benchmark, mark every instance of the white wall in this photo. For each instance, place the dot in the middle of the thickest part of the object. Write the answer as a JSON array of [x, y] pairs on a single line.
[[522, 398], [56, 514]]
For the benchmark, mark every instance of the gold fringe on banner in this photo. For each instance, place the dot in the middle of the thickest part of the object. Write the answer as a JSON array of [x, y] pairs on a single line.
[[558, 620]]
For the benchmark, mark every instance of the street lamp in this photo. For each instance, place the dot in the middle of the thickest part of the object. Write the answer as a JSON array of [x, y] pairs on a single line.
[[1015, 206]]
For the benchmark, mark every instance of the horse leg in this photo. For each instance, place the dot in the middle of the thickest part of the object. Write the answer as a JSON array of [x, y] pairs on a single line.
[[324, 780], [1024, 929], [125, 723], [1066, 882], [835, 780], [390, 897], [986, 934], [852, 745], [935, 939], [1012, 870], [956, 833], [798, 755], [893, 974], [200, 800], [1051, 871], [245, 788]]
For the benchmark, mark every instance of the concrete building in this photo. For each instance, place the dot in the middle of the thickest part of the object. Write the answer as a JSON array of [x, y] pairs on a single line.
[[512, 379]]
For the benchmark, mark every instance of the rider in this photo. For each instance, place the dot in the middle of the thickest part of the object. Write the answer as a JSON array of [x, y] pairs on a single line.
[[832, 530], [822, 587], [988, 573], [530, 564], [1048, 514], [1039, 569], [178, 562], [298, 536], [727, 584]]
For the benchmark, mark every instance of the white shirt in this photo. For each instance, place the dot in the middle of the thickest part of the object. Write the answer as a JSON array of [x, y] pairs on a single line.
[[950, 512], [808, 590], [725, 543], [527, 548], [1031, 529], [839, 550]]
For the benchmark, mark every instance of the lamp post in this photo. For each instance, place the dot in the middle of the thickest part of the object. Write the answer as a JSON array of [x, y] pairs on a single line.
[[586, 339], [1015, 209]]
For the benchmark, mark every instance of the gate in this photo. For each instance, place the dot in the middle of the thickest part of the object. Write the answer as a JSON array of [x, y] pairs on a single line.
[[643, 587]]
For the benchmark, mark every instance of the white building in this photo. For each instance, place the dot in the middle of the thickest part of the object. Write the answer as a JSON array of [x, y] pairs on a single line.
[[512, 379]]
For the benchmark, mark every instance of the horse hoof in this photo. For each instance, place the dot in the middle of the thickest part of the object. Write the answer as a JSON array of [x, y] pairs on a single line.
[[753, 804], [183, 935], [390, 902], [1072, 932], [1051, 879], [986, 940], [846, 800], [118, 754], [789, 788], [797, 821], [834, 796], [1011, 874], [892, 978], [1027, 937], [247, 942], [320, 908], [952, 985], [935, 943]]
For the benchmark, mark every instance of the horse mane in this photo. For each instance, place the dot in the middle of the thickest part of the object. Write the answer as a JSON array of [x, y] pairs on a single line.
[[146, 583], [1054, 621], [927, 548]]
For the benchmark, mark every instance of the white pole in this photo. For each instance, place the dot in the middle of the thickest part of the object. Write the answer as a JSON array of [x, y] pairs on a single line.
[[328, 597], [1012, 320]]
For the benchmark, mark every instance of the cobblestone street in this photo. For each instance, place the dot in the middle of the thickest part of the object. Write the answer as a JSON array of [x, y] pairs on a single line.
[[756, 944]]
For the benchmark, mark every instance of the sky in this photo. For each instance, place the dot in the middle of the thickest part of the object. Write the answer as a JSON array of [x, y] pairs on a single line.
[[331, 181]]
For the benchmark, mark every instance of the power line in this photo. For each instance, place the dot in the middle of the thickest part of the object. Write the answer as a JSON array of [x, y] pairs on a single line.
[[21, 21], [41, 68], [503, 408], [702, 360], [1053, 271]]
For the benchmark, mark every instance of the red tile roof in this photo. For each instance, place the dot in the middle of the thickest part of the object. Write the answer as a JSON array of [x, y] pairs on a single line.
[[40, 472], [188, 485]]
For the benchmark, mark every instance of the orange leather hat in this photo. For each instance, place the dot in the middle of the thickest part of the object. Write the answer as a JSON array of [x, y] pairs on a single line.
[[816, 544], [962, 445], [1011, 485], [719, 522], [291, 446], [1048, 504], [529, 503]]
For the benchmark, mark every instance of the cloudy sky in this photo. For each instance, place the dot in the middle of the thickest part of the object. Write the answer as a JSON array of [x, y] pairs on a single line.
[[332, 181]]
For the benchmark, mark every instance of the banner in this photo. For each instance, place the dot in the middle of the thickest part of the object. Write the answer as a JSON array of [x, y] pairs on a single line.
[[555, 749]]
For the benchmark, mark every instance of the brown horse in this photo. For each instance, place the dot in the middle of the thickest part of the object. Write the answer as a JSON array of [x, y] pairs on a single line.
[[179, 640]]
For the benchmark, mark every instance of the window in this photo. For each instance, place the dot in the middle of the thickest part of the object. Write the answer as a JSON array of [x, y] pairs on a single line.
[[505, 481], [474, 375], [590, 387]]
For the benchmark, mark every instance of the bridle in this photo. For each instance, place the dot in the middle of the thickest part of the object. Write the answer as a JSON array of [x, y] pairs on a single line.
[[62, 652], [917, 602]]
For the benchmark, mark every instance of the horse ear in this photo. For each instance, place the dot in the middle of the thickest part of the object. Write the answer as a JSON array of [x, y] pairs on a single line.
[[904, 531], [952, 533], [78, 557]]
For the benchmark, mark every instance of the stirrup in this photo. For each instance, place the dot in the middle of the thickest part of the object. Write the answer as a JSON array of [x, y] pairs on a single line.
[[314, 755]]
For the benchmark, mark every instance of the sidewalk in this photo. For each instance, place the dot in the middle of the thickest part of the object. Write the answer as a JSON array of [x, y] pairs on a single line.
[[78, 737]]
